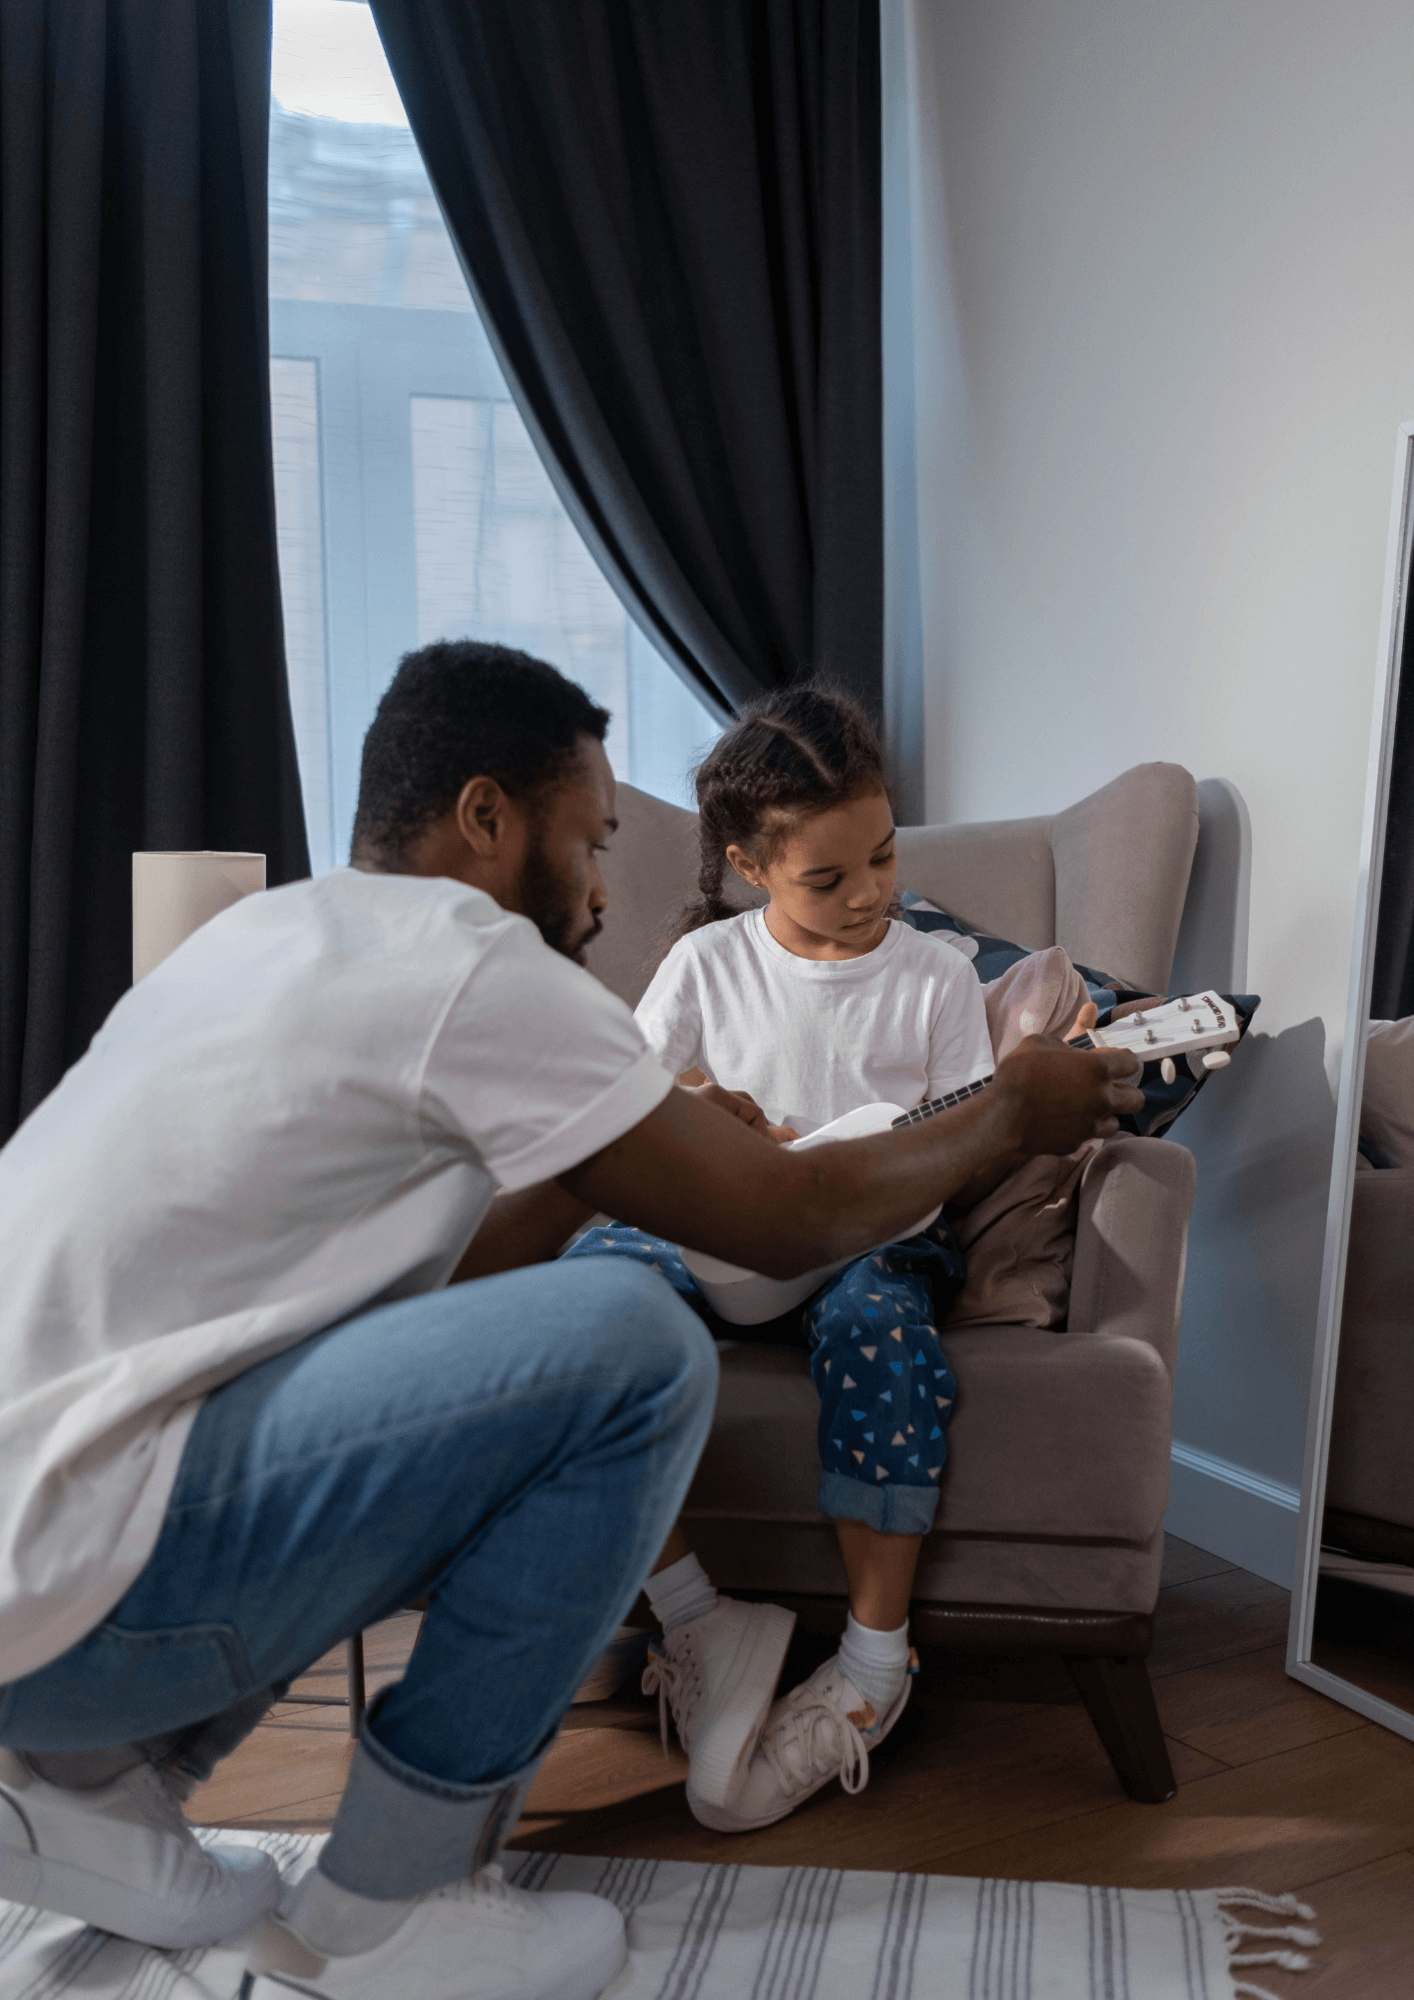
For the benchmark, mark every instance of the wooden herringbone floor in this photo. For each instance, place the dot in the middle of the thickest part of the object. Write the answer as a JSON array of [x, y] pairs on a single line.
[[995, 1771]]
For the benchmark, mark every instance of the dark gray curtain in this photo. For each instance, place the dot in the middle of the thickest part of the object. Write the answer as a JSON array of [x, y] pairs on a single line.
[[143, 700], [1392, 991], [669, 214]]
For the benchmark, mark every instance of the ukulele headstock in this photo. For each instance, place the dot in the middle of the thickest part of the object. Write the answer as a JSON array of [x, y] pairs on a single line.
[[1201, 1026]]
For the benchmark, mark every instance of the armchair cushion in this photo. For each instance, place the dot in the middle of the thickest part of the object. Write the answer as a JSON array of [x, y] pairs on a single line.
[[1067, 1427]]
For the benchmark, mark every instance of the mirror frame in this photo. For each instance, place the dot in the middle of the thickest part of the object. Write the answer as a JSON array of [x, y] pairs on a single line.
[[1299, 1664]]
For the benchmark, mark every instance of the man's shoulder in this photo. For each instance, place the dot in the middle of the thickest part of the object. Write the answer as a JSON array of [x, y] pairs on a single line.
[[429, 908]]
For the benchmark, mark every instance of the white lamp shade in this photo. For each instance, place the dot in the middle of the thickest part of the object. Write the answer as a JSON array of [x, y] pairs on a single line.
[[174, 894]]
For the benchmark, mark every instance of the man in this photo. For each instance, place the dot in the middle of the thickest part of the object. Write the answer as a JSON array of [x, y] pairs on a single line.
[[244, 1414]]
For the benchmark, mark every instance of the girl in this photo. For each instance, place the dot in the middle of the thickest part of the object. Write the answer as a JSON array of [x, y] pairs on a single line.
[[818, 1003]]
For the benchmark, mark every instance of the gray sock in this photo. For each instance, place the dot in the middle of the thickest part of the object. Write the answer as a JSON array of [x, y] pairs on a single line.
[[84, 1770]]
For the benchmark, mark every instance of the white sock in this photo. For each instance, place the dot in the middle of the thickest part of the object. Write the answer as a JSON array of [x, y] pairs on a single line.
[[876, 1662], [335, 1922], [681, 1592]]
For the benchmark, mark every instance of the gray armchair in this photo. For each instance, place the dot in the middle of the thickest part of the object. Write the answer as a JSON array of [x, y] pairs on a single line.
[[1050, 1529]]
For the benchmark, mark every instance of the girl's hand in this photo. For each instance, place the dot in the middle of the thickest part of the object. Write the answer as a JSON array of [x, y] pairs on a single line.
[[782, 1134], [1083, 1022], [739, 1104]]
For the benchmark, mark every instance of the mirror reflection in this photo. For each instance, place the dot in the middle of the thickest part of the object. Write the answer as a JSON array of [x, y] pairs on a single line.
[[1364, 1621]]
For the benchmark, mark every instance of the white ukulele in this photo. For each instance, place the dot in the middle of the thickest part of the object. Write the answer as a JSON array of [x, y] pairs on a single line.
[[1200, 1028]]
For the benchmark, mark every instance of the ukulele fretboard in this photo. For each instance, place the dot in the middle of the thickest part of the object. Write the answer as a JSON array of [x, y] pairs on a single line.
[[936, 1104]]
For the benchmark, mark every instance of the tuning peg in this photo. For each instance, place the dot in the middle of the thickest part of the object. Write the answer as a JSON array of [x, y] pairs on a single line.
[[1167, 1070], [1216, 1059]]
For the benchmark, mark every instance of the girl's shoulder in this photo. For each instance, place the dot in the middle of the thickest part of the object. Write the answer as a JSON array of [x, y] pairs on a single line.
[[717, 940], [710, 944], [928, 956]]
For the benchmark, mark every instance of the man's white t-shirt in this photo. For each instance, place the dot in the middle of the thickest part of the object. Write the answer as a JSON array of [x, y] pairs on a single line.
[[303, 1113], [811, 1038]]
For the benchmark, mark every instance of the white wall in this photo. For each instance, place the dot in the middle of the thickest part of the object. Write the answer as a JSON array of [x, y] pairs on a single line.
[[1161, 291]]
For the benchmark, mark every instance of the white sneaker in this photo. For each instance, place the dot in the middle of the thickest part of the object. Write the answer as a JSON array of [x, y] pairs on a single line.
[[719, 1674], [124, 1859], [824, 1729], [474, 1940]]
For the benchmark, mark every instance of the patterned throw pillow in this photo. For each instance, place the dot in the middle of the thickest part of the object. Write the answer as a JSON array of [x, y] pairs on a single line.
[[992, 956]]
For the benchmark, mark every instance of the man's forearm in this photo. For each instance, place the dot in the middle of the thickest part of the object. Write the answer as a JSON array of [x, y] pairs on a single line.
[[527, 1227], [699, 1178]]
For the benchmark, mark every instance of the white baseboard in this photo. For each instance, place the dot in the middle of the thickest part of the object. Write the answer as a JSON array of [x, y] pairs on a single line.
[[1233, 1513]]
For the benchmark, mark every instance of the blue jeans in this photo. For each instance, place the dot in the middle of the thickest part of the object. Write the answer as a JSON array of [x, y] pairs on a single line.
[[885, 1385], [513, 1450]]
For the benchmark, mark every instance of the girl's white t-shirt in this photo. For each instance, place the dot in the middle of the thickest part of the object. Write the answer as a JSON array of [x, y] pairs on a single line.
[[813, 1038]]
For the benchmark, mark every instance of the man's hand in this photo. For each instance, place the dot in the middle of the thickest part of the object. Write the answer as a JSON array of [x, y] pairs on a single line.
[[1055, 1098]]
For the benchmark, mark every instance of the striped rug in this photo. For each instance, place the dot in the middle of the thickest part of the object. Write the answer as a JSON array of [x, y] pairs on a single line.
[[738, 1933]]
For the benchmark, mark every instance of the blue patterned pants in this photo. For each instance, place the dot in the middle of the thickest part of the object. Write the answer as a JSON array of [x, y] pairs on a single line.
[[886, 1390]]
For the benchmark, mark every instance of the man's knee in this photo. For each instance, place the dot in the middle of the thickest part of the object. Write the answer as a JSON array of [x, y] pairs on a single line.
[[636, 1312]]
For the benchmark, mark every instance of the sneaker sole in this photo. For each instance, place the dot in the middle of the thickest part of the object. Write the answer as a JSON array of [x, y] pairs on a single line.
[[70, 1891], [724, 1737], [585, 1982], [723, 1820]]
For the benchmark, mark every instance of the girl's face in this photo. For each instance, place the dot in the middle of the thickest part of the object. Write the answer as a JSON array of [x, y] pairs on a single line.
[[831, 879]]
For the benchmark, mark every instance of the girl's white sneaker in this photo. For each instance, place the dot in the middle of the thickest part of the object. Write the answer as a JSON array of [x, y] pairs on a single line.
[[474, 1940], [718, 1675], [824, 1729]]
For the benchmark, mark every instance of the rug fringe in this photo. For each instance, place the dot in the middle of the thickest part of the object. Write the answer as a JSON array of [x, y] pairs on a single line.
[[1245, 1990], [1281, 1936], [1256, 1899]]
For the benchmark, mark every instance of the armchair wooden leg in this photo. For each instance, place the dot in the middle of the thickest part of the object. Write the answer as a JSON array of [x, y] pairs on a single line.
[[358, 1693], [1120, 1701]]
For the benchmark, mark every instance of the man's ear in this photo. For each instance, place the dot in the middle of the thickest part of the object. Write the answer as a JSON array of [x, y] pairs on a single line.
[[483, 815], [744, 866]]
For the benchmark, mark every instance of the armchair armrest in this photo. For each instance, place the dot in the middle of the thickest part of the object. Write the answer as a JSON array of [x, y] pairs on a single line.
[[1131, 1239]]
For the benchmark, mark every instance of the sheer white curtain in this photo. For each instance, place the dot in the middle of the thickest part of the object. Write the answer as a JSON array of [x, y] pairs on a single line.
[[411, 502]]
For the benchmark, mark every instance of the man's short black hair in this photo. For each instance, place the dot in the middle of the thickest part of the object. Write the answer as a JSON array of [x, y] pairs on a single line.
[[456, 710]]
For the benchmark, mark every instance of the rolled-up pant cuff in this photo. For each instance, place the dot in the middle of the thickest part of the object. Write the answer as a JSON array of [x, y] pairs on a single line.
[[893, 1510], [399, 1833]]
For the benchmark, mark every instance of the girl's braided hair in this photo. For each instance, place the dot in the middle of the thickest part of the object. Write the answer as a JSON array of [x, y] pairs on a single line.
[[797, 751]]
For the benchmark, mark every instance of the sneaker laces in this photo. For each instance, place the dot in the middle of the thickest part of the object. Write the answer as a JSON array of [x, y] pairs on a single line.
[[811, 1733], [674, 1674], [163, 1794], [488, 1886]]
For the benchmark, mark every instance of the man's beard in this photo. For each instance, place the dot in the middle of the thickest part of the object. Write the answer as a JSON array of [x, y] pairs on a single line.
[[552, 905]]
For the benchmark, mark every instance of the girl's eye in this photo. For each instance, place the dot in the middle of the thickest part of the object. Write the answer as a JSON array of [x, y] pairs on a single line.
[[824, 888], [883, 860]]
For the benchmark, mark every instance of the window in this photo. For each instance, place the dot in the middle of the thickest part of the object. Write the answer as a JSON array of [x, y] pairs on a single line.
[[411, 503]]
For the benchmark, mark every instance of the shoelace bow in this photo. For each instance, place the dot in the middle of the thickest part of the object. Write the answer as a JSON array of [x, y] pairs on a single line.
[[488, 1885], [676, 1678], [810, 1730], [166, 1792]]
